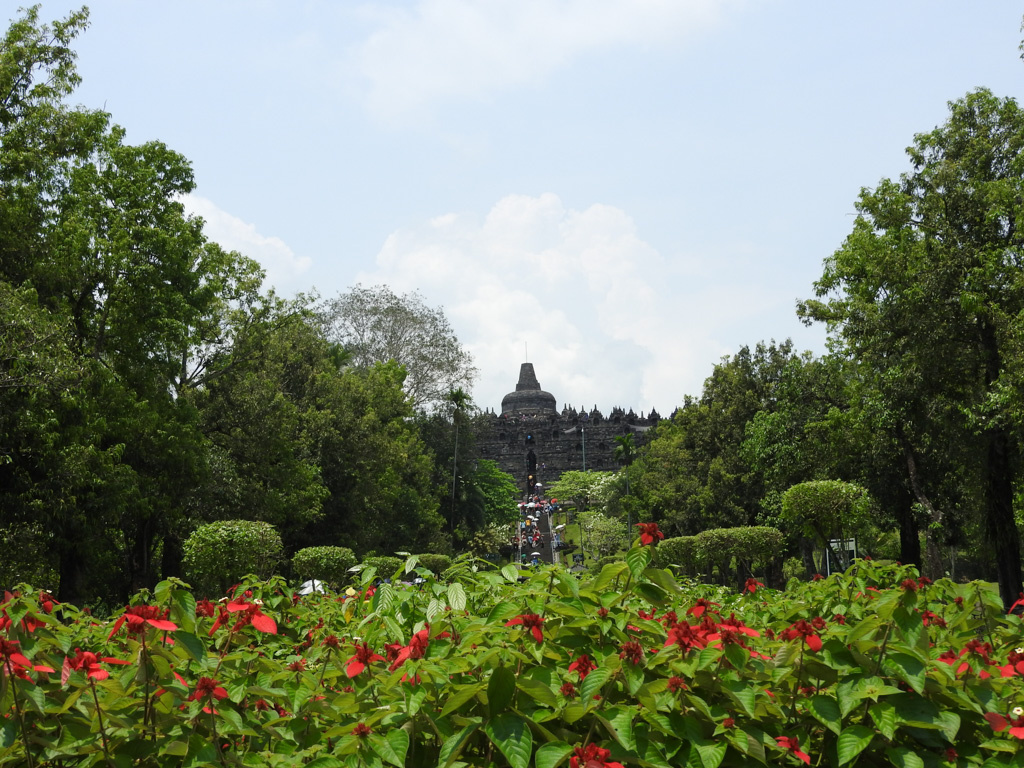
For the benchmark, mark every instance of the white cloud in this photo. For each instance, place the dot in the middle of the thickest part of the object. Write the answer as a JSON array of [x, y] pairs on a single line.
[[282, 266], [442, 49], [599, 308]]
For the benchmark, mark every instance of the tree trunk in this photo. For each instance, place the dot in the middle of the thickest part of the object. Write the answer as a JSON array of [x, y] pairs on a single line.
[[1000, 524]]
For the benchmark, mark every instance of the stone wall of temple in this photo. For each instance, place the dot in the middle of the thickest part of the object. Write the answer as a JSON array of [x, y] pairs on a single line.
[[529, 437]]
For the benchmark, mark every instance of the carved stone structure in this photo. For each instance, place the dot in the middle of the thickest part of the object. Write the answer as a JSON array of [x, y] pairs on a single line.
[[535, 443]]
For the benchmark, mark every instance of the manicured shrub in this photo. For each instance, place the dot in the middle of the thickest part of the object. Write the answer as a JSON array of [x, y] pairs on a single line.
[[736, 552], [220, 554], [329, 564], [436, 564], [386, 565], [676, 553], [597, 565]]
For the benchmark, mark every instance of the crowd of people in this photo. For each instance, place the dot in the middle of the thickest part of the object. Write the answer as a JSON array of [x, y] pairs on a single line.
[[534, 538]]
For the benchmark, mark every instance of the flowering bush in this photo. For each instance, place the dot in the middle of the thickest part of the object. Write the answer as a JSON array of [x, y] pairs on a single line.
[[875, 666]]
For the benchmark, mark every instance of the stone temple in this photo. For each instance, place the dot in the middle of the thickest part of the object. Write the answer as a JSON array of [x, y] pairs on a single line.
[[535, 442]]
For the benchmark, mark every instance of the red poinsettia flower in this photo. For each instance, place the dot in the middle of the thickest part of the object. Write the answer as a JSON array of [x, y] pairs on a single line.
[[806, 631], [649, 533], [13, 662], [208, 688], [363, 657], [792, 744], [752, 585], [676, 684], [1015, 722], [89, 663], [633, 651], [698, 608], [251, 614], [568, 690], [361, 731], [583, 665], [529, 621], [592, 756], [205, 608], [138, 616], [416, 649]]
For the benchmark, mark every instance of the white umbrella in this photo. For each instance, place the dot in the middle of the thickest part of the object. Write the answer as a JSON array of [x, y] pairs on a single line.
[[538, 485], [560, 526], [535, 554], [311, 586], [531, 505]]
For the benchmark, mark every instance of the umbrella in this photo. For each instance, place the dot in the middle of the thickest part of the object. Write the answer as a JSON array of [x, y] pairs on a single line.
[[554, 501], [560, 526], [538, 485], [311, 586], [535, 554]]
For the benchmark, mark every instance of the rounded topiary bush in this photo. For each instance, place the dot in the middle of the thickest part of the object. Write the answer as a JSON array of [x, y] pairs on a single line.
[[436, 564], [329, 564], [386, 565], [220, 554]]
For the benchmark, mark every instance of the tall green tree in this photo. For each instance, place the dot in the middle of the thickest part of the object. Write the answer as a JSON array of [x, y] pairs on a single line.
[[928, 293]]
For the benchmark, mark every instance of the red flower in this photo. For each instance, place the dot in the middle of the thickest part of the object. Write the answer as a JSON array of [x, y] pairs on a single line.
[[205, 608], [251, 614], [927, 617], [649, 533], [793, 745], [592, 756], [568, 690], [1000, 723], [583, 665], [839, 618], [331, 641], [13, 662], [602, 613], [676, 684], [363, 657], [208, 688], [909, 585], [806, 631], [138, 616], [416, 649], [728, 722], [817, 577], [530, 621], [633, 651], [87, 662], [362, 730], [752, 585], [297, 666], [698, 608]]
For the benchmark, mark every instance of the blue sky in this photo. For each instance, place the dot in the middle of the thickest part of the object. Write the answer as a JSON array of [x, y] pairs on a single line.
[[622, 190]]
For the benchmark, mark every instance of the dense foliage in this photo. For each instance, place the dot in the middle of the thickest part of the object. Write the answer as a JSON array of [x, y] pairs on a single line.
[[877, 666], [327, 564], [220, 554]]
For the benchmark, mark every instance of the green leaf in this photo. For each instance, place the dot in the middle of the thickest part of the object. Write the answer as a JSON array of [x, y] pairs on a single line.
[[398, 739], [826, 710], [652, 593], [324, 761], [192, 644], [500, 689], [592, 685], [743, 694], [662, 578], [510, 572], [550, 755], [383, 748], [456, 596], [901, 757], [883, 714], [607, 575], [618, 721], [537, 690], [853, 741], [452, 747], [712, 753], [638, 558], [511, 734], [909, 669]]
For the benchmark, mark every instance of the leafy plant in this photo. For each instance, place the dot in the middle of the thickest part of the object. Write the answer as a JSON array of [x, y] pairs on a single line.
[[220, 554], [329, 564], [876, 666]]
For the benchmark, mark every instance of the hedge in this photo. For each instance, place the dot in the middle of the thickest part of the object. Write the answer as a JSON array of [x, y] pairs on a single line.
[[220, 554], [329, 564]]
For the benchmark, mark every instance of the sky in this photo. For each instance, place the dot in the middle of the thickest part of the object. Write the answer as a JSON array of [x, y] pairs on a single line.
[[621, 192]]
